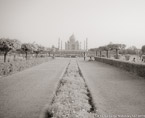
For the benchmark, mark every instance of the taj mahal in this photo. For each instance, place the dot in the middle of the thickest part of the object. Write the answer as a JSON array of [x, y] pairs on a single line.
[[72, 44], [72, 47]]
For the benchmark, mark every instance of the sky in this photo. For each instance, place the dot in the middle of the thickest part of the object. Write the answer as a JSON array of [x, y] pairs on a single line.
[[101, 21]]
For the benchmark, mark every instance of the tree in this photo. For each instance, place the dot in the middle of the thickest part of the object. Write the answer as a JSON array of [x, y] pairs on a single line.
[[143, 49], [101, 48], [104, 48], [37, 49], [131, 50], [53, 50], [27, 47], [7, 45], [94, 50], [116, 47], [48, 50]]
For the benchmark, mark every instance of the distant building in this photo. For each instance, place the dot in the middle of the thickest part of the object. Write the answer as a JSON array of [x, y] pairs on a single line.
[[72, 44]]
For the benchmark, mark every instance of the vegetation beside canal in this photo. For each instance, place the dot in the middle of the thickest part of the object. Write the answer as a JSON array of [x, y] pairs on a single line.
[[14, 66], [72, 98]]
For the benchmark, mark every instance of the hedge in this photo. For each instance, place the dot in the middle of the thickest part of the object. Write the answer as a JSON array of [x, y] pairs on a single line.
[[14, 66], [72, 98]]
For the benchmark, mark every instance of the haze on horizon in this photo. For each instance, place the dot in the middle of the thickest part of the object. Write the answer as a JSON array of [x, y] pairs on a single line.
[[101, 21]]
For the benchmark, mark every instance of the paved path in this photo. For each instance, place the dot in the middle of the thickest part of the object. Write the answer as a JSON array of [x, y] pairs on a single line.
[[24, 94], [116, 92]]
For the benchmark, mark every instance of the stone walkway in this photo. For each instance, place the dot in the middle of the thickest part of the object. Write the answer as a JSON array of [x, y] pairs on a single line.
[[24, 94], [115, 91]]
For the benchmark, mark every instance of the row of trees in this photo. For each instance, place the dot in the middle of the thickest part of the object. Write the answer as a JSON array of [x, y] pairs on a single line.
[[8, 45], [118, 48], [108, 48]]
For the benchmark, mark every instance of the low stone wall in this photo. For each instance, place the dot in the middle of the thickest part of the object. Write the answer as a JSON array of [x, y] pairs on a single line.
[[14, 66], [139, 69]]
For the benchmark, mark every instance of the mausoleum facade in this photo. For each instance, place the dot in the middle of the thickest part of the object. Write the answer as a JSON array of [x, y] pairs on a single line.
[[72, 44]]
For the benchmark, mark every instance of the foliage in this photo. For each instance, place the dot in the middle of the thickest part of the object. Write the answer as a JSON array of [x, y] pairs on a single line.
[[127, 57], [72, 97], [7, 45], [101, 48], [143, 49], [116, 46], [27, 47], [14, 66], [131, 50], [37, 49], [93, 49], [104, 48]]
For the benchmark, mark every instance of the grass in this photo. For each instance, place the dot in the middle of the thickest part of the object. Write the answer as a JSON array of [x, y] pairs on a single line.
[[14, 66]]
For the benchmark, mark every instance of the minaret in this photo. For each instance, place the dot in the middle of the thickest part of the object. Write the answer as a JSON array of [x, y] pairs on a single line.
[[80, 45], [59, 43], [86, 44]]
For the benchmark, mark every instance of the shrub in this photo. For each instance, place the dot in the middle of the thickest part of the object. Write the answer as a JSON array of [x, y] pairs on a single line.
[[127, 57], [7, 45], [71, 99], [10, 67]]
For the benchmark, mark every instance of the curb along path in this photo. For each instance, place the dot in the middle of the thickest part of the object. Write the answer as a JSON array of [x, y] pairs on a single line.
[[72, 98]]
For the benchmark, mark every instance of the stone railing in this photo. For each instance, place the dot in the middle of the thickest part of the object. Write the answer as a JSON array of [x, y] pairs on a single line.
[[136, 68]]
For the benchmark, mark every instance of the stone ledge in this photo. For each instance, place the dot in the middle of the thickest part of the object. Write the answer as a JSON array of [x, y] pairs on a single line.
[[136, 68]]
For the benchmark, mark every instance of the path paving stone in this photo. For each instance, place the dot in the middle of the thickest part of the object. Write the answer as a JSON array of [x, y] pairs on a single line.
[[24, 94], [115, 91]]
